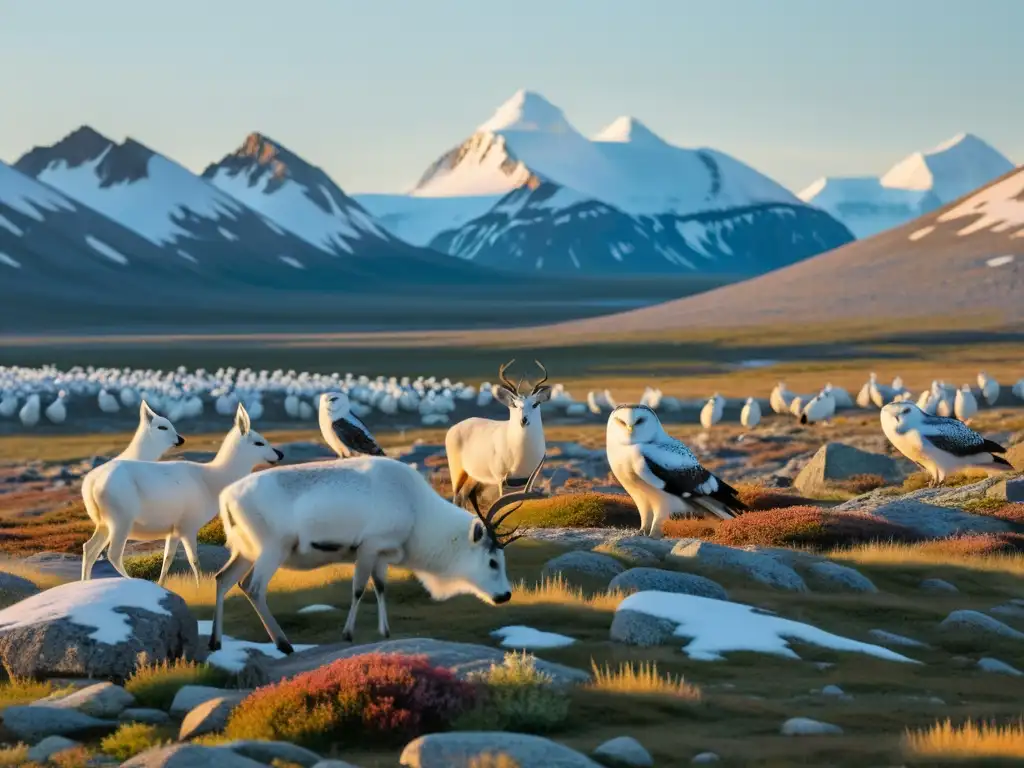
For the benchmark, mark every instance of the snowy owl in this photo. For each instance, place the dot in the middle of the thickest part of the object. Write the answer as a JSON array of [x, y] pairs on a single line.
[[660, 473], [939, 445], [342, 429]]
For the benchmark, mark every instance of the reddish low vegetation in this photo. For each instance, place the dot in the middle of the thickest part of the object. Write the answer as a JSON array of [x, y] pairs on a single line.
[[759, 497], [976, 544], [383, 698], [1011, 513], [859, 484], [802, 526]]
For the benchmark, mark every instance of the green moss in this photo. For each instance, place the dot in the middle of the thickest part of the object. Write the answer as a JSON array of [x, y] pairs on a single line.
[[577, 510]]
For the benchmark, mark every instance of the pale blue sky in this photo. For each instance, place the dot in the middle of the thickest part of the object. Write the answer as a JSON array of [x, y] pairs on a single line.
[[373, 91]]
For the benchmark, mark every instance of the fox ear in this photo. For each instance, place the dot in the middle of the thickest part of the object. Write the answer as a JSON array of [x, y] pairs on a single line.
[[242, 420], [146, 413]]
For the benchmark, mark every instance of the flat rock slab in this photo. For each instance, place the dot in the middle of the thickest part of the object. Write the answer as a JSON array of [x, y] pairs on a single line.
[[661, 580], [190, 756], [975, 621], [67, 565], [34, 723], [463, 749], [926, 518], [99, 700], [757, 567], [95, 629], [837, 462], [833, 577], [461, 658], [805, 726]]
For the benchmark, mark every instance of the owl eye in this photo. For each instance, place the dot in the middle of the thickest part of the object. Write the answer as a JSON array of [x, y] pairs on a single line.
[[640, 420]]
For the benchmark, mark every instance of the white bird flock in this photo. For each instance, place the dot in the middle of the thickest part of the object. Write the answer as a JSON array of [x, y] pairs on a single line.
[[48, 395]]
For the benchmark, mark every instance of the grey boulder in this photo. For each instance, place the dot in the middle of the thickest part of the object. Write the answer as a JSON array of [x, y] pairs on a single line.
[[189, 697], [462, 749], [837, 462], [268, 752], [975, 621], [754, 566], [95, 629], [190, 756], [624, 752], [833, 577], [641, 629], [661, 580], [99, 700], [590, 564], [34, 723], [50, 746], [209, 717]]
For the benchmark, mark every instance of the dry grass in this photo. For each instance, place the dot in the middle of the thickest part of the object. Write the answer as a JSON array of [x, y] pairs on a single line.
[[970, 741], [40, 578], [18, 691], [933, 554], [759, 498], [557, 591], [691, 528], [641, 678]]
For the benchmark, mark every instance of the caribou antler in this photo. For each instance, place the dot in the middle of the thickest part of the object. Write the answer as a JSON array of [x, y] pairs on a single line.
[[504, 379], [495, 516], [537, 386]]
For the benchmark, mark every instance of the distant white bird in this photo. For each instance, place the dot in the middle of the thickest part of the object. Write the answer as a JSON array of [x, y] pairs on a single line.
[[939, 445], [711, 413], [107, 402], [291, 405], [928, 402], [944, 400], [820, 408], [989, 388], [595, 402], [610, 399], [840, 395], [342, 429], [9, 405], [796, 405], [750, 416], [1018, 389], [29, 413], [306, 412], [56, 411], [965, 405], [660, 474], [781, 398]]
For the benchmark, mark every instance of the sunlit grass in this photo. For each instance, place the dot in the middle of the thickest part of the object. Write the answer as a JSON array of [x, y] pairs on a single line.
[[930, 553], [557, 591], [641, 678], [41, 579], [18, 690], [970, 741]]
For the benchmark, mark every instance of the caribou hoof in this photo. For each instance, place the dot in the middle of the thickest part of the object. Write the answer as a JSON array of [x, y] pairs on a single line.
[[285, 647], [346, 636], [214, 645]]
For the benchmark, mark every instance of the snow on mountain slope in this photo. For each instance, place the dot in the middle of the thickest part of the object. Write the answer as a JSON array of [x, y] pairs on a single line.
[[528, 140], [297, 195], [919, 183], [963, 261], [554, 229], [418, 220]]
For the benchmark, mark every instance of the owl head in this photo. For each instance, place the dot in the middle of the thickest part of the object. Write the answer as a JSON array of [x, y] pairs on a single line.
[[632, 425]]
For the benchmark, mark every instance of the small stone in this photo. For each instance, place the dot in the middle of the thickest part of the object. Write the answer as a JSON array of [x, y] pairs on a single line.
[[705, 757], [268, 751], [973, 621], [209, 717], [995, 665], [832, 690], [147, 716], [804, 726], [757, 567], [891, 638], [190, 756], [834, 577], [937, 585], [590, 564], [641, 629], [624, 751], [661, 580], [189, 697], [99, 700], [50, 746]]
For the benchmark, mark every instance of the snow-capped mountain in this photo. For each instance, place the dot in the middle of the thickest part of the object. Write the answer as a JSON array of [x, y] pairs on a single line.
[[624, 201], [921, 182], [300, 197]]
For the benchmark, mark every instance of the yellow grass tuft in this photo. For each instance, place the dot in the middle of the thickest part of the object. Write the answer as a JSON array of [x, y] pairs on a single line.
[[492, 760], [557, 591], [22, 690], [39, 578], [891, 553], [642, 678], [970, 741]]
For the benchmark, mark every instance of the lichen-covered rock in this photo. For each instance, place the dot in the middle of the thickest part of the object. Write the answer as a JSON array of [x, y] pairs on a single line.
[[593, 565], [190, 756], [759, 568], [891, 638], [657, 547], [95, 629], [635, 628], [631, 553], [805, 726], [189, 697], [209, 717], [932, 520], [623, 752], [271, 752], [34, 723], [833, 577], [661, 580], [99, 700], [461, 749]]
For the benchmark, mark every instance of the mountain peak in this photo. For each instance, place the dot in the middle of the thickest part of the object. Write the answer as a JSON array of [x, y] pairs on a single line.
[[80, 146], [527, 111], [951, 169], [627, 130]]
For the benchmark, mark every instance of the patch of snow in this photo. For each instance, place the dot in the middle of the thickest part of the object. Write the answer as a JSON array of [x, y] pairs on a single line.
[[9, 225], [918, 234], [292, 262], [316, 608], [418, 220], [694, 233], [718, 627], [227, 234], [997, 204], [234, 653], [757, 363], [101, 247], [10, 262], [1000, 261], [188, 256], [27, 196], [150, 205], [89, 604], [528, 638]]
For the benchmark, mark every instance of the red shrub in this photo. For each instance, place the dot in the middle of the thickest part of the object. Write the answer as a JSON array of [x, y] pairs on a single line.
[[691, 528], [388, 698], [1011, 513], [760, 498], [808, 527]]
